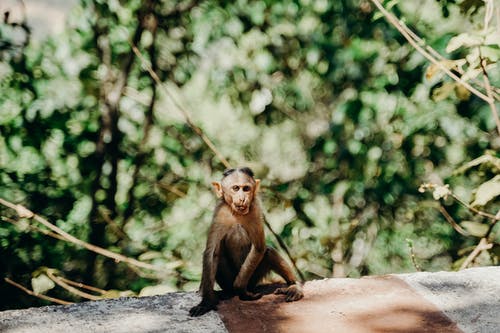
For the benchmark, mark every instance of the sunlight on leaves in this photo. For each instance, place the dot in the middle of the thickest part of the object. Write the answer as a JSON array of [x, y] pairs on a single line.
[[42, 283], [487, 192]]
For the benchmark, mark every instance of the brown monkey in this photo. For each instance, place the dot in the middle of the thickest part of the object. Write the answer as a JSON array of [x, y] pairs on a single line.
[[236, 255]]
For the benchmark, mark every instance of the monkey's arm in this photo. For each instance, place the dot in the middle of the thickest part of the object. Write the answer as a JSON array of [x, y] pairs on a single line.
[[210, 262], [251, 262], [294, 290]]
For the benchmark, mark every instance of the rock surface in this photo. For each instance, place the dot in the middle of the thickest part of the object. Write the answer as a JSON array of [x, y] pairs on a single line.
[[155, 314], [372, 304], [470, 297], [466, 301]]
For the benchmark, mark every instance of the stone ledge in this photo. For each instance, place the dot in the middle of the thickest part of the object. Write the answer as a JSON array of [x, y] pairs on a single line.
[[466, 301], [154, 314]]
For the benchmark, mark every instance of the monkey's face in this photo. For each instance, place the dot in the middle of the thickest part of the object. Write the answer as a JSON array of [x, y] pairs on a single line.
[[239, 197], [238, 191]]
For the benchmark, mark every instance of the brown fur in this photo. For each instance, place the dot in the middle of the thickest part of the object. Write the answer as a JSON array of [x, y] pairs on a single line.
[[236, 255]]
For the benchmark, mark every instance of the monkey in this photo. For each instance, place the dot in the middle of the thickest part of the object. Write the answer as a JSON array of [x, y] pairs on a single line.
[[236, 256]]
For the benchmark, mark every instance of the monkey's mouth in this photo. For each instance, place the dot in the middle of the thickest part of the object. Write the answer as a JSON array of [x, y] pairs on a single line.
[[241, 209]]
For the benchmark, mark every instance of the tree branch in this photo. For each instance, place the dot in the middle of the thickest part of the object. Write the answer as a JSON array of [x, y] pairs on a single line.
[[32, 293], [71, 289], [34, 228], [452, 222], [437, 55], [413, 257], [490, 229], [409, 37], [187, 116], [148, 123], [285, 248], [489, 92], [171, 189], [114, 226], [26, 213], [482, 246], [107, 147], [82, 286], [475, 210]]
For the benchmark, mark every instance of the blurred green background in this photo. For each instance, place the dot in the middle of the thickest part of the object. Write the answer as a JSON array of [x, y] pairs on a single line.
[[341, 118]]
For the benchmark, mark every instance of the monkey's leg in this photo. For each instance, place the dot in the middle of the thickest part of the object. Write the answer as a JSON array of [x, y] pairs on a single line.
[[225, 276], [209, 299]]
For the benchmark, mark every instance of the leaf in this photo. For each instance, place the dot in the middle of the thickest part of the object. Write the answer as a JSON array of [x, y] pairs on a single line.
[[378, 15], [487, 191], [441, 93], [434, 69], [476, 229], [156, 290], [491, 53], [484, 159], [42, 283], [471, 73], [150, 255], [462, 93], [474, 58], [112, 293], [458, 263], [493, 38], [463, 40]]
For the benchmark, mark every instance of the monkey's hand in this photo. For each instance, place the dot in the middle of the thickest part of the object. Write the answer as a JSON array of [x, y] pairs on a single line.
[[202, 308], [241, 290], [293, 292], [245, 295]]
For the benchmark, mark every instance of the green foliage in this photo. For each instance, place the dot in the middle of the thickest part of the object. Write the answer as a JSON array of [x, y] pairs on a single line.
[[340, 117]]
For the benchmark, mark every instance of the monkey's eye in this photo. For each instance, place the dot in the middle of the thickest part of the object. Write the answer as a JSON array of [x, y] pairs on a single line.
[[236, 188], [246, 188]]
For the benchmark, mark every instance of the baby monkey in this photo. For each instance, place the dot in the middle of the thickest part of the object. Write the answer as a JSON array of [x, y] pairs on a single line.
[[236, 255]]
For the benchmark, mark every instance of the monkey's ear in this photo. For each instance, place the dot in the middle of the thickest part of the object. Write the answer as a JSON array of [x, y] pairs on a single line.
[[257, 186], [218, 189]]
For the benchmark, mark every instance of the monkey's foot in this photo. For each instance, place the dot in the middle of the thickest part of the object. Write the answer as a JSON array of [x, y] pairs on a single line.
[[293, 292], [201, 309], [249, 296]]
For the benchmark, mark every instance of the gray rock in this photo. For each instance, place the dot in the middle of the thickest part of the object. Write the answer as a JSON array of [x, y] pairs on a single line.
[[471, 297], [155, 314]]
